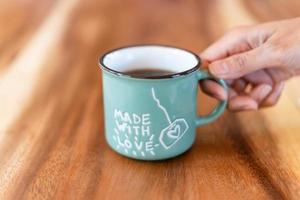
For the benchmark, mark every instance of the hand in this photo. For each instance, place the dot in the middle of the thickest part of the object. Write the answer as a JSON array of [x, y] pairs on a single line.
[[255, 61]]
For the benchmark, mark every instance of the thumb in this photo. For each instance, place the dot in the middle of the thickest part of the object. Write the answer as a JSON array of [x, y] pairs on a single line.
[[240, 64]]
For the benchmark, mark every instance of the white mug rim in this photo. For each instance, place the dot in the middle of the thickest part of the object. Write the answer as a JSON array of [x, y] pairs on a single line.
[[173, 75]]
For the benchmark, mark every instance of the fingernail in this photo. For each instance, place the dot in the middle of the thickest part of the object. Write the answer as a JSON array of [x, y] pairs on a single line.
[[248, 107], [263, 93], [242, 105], [221, 96], [218, 68], [245, 108], [266, 90]]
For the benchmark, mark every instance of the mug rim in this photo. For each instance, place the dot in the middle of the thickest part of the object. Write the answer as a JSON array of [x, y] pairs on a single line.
[[122, 74]]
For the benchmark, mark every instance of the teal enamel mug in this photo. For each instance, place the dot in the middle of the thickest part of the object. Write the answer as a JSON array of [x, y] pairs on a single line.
[[153, 117]]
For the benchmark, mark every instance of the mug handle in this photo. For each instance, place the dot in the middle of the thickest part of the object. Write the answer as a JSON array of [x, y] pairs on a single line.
[[219, 109]]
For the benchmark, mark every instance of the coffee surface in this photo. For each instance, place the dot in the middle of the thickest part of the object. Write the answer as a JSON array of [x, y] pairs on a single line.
[[144, 72]]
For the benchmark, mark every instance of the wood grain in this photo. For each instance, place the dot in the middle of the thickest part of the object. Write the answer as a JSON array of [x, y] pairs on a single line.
[[51, 119]]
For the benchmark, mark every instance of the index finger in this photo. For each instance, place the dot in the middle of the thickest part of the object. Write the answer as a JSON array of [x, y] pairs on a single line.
[[231, 43]]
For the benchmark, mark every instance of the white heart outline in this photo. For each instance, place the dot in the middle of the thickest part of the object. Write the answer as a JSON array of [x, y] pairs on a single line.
[[169, 121]]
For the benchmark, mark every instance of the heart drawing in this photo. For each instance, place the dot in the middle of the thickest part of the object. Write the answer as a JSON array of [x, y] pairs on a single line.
[[175, 130]]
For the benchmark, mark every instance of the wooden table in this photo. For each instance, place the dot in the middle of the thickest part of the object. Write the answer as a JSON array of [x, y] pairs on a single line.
[[51, 119]]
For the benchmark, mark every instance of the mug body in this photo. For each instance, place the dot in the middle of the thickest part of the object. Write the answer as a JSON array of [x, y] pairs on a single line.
[[150, 118]]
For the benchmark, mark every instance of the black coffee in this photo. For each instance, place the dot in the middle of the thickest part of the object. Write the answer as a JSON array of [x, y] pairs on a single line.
[[148, 73]]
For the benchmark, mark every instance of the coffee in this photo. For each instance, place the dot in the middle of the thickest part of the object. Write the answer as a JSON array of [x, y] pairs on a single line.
[[148, 73]]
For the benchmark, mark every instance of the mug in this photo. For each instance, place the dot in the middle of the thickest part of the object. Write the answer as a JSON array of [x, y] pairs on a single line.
[[153, 118]]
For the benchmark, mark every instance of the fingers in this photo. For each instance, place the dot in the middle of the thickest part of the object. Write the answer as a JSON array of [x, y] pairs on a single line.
[[232, 42], [259, 77], [273, 98], [262, 95], [231, 94], [279, 74], [240, 64], [241, 103], [252, 100], [213, 89], [239, 85], [230, 81], [260, 92]]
